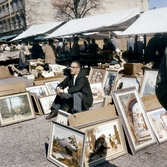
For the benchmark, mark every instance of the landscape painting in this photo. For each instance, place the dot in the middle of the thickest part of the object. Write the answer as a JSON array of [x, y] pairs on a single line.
[[40, 90], [149, 82], [66, 146], [16, 108]]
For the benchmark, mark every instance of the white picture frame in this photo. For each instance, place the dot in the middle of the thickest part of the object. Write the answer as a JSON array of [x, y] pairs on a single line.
[[51, 87]]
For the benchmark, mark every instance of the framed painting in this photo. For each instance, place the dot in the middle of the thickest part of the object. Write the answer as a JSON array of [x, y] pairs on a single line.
[[66, 146], [98, 92], [96, 74], [105, 141], [149, 82], [109, 81], [134, 119], [62, 117], [16, 108], [126, 82], [46, 103], [40, 90], [51, 87], [158, 121], [36, 104]]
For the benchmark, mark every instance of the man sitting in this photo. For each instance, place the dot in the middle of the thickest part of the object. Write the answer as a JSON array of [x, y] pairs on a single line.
[[73, 94]]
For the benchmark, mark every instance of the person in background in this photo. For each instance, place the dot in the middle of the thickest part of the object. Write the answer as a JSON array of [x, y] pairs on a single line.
[[19, 46], [93, 47], [154, 51], [108, 49], [73, 94], [130, 47], [115, 41], [26, 51], [50, 52], [36, 51], [139, 49], [83, 47], [108, 46], [87, 49], [75, 51], [7, 47], [161, 81]]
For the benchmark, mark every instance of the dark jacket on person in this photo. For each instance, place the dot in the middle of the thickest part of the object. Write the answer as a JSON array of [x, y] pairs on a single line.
[[161, 82], [109, 47], [37, 52], [154, 44], [81, 85]]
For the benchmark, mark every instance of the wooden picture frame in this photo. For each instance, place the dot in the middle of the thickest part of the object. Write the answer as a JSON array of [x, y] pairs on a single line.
[[40, 90], [105, 141], [66, 146], [149, 82], [134, 119], [46, 103], [126, 82], [36, 104], [62, 117], [16, 108], [96, 74], [51, 87], [158, 121], [109, 81], [98, 92]]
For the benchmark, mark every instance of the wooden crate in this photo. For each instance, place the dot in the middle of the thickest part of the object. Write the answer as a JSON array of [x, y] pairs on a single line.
[[132, 68]]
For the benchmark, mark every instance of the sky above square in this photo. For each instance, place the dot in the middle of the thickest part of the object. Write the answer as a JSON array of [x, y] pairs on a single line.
[[157, 3]]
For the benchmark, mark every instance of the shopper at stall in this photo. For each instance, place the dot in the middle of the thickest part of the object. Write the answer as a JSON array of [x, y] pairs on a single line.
[[36, 51], [87, 48], [139, 49], [75, 52], [108, 46], [50, 52], [93, 47], [115, 41], [161, 82], [73, 94], [154, 51], [130, 48]]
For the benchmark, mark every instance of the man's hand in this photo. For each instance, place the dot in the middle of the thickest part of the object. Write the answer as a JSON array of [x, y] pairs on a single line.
[[59, 90]]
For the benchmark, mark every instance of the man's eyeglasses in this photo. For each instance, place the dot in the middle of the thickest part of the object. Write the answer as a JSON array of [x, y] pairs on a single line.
[[74, 67]]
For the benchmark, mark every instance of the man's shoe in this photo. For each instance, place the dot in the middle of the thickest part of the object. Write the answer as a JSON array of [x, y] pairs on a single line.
[[51, 115], [73, 111]]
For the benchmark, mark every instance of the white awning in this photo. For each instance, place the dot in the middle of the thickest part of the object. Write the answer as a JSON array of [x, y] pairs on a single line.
[[38, 30], [106, 22], [150, 22]]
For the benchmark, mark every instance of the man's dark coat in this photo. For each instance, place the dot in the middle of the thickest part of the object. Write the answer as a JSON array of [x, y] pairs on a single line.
[[81, 85]]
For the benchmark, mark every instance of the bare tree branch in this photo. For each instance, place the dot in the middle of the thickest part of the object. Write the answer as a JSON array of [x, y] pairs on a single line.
[[73, 9]]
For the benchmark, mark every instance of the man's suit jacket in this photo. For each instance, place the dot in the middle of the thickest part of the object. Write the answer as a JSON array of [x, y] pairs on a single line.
[[81, 85]]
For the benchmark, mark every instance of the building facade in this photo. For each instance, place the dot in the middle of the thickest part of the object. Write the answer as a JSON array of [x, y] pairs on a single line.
[[18, 15]]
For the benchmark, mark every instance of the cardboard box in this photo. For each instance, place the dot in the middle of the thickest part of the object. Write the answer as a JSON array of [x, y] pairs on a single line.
[[151, 102], [41, 81], [91, 116], [12, 88], [132, 68]]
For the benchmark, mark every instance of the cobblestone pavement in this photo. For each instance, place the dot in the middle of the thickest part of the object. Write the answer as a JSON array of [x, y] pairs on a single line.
[[25, 144]]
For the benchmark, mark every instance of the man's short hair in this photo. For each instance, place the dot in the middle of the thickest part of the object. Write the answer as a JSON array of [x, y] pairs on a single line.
[[77, 62]]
